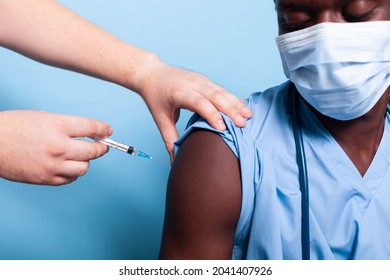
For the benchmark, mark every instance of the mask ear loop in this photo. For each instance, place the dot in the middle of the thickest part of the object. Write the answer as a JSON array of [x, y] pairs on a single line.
[[302, 167]]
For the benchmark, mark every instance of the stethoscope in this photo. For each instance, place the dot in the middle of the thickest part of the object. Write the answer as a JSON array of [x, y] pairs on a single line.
[[302, 168]]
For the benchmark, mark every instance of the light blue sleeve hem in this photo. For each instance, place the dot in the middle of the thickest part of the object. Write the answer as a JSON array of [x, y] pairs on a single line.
[[197, 122]]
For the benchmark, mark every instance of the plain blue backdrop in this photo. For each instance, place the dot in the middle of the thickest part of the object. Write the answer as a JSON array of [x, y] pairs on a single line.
[[116, 210]]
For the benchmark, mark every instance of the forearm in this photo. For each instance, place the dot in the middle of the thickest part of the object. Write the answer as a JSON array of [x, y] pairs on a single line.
[[46, 31]]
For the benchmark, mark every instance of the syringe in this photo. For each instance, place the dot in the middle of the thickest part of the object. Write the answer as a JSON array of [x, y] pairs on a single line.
[[122, 147]]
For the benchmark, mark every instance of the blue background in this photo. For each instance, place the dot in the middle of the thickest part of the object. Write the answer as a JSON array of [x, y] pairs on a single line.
[[116, 210]]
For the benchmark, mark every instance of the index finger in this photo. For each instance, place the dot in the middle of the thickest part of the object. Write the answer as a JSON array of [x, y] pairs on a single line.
[[86, 127], [228, 104]]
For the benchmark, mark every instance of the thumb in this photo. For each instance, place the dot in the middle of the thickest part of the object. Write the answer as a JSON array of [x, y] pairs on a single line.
[[169, 134]]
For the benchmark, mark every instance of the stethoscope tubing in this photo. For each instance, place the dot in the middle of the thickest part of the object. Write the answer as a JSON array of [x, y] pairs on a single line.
[[302, 169]]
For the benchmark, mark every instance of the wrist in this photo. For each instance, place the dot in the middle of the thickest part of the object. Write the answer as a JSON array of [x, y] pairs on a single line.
[[141, 76]]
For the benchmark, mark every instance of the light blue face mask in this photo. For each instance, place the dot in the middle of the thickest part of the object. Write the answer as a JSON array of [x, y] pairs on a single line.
[[341, 69]]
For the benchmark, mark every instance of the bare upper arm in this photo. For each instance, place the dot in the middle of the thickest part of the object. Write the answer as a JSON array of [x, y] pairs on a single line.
[[203, 200]]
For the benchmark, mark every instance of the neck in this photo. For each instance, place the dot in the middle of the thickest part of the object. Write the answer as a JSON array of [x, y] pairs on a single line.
[[360, 138]]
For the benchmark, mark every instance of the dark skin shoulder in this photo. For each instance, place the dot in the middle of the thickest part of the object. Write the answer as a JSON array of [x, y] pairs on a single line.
[[203, 200]]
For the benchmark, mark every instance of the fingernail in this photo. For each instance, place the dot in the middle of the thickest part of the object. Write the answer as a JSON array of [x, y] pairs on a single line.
[[221, 125], [110, 131]]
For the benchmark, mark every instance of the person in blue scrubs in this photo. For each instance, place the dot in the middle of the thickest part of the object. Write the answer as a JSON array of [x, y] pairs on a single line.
[[236, 194], [50, 33]]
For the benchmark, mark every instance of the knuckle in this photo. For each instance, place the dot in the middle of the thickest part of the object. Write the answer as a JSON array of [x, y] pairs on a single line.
[[97, 151], [227, 106], [169, 146], [107, 129], [59, 122], [56, 150], [240, 105], [83, 169], [213, 115], [178, 89], [93, 127], [92, 153], [49, 168], [46, 178], [200, 101], [232, 109], [215, 94], [60, 181], [222, 91]]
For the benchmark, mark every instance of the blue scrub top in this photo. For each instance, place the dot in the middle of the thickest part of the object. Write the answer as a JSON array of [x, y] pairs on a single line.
[[349, 214]]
